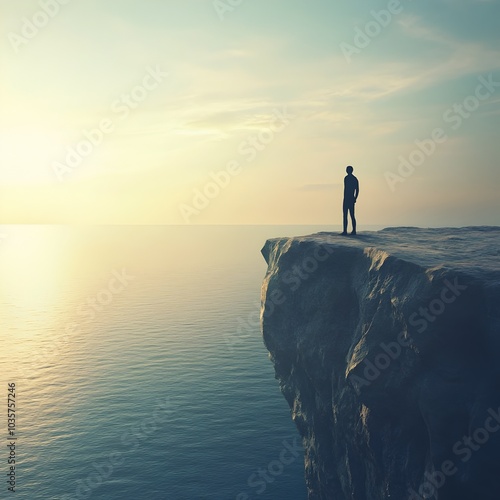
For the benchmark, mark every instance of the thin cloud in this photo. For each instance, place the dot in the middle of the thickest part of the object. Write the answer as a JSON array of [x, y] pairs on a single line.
[[319, 187]]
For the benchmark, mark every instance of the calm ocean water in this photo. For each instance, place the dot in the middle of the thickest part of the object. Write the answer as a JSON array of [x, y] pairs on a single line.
[[139, 365]]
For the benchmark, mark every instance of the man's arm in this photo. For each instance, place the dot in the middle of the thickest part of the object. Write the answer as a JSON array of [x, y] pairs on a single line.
[[356, 190]]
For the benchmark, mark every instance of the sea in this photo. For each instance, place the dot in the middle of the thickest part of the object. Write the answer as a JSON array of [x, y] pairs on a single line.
[[133, 366]]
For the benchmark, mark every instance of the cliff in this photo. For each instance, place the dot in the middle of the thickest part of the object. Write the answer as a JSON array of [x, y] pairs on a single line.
[[387, 348]]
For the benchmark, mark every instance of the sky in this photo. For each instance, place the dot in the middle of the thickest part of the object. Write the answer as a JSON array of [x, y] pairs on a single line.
[[249, 111]]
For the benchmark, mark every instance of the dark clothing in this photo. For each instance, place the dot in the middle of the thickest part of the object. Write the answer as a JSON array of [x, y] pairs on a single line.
[[351, 187], [348, 208], [351, 191]]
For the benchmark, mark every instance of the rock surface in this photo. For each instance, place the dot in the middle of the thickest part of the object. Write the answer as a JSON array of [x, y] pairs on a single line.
[[387, 349]]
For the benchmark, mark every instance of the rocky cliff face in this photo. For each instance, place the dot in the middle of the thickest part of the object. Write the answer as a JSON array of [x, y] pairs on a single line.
[[387, 349]]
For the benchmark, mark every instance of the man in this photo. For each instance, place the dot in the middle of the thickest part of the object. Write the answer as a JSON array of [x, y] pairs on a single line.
[[351, 192]]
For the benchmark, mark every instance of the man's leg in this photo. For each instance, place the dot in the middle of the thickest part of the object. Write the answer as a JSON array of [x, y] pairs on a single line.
[[345, 210], [353, 219]]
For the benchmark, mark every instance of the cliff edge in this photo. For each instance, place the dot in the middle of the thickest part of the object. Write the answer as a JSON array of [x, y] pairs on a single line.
[[387, 348]]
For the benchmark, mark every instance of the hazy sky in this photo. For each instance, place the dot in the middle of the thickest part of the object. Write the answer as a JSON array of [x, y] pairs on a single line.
[[279, 95]]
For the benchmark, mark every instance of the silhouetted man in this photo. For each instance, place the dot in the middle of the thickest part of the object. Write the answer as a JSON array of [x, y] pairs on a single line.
[[351, 192]]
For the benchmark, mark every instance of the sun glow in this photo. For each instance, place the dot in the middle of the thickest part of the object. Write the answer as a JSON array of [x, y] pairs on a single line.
[[31, 270], [27, 155]]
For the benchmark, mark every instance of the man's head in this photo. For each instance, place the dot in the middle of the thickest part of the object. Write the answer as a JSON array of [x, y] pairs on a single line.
[[349, 169]]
